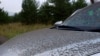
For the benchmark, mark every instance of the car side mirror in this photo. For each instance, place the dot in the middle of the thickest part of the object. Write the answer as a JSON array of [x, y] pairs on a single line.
[[58, 23]]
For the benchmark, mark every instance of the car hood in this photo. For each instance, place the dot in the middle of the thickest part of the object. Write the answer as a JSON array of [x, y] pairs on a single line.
[[48, 42]]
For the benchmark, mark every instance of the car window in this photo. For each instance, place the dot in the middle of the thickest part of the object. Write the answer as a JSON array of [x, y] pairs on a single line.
[[88, 17]]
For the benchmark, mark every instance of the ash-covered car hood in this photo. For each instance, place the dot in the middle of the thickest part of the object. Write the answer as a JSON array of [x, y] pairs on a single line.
[[52, 42]]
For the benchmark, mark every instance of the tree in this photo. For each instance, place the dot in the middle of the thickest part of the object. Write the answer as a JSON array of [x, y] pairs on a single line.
[[62, 9], [46, 13], [29, 11], [17, 17], [4, 18], [78, 4]]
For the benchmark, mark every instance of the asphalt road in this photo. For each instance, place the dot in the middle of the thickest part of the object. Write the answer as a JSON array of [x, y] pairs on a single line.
[[52, 42]]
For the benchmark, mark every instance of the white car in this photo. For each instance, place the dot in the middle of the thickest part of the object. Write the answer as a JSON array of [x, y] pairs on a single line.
[[78, 35]]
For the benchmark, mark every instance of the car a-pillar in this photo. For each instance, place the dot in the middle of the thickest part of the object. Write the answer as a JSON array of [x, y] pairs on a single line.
[[94, 1]]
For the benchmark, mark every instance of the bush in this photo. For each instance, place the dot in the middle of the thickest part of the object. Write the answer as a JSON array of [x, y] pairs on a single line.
[[4, 18]]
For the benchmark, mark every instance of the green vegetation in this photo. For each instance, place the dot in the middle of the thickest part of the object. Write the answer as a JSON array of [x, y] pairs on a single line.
[[79, 4], [47, 14], [62, 9], [33, 17], [4, 18], [13, 29], [29, 11]]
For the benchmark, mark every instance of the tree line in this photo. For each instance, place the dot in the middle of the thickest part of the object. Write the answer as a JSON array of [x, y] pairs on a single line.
[[48, 13]]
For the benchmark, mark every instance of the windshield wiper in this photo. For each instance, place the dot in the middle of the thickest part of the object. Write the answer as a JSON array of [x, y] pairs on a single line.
[[63, 27]]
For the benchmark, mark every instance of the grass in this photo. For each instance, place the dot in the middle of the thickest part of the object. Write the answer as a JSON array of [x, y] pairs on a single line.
[[13, 29]]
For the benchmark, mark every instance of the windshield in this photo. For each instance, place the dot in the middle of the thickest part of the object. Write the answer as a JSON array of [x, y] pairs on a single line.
[[87, 17]]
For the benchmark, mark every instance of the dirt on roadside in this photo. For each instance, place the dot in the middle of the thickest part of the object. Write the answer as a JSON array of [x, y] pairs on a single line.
[[2, 39]]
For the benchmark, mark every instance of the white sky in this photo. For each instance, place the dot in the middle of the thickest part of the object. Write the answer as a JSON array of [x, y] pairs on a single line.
[[14, 5]]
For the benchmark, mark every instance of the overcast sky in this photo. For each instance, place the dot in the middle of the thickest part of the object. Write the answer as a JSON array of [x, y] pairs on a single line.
[[14, 5]]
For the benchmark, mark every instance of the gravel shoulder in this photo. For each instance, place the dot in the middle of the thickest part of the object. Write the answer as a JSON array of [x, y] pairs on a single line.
[[2, 39]]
